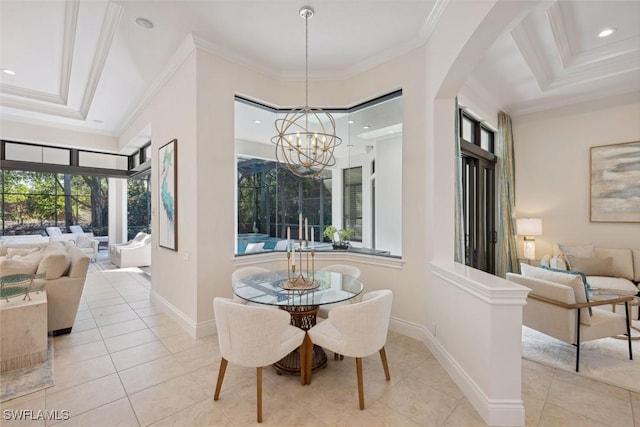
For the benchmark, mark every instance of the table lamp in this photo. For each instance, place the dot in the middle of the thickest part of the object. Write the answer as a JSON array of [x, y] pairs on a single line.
[[529, 227]]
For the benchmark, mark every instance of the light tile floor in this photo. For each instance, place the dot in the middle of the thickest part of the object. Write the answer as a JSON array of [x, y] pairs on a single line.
[[128, 364]]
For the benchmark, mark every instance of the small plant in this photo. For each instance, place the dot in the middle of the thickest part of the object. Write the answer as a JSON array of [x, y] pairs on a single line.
[[329, 232], [346, 234], [343, 236]]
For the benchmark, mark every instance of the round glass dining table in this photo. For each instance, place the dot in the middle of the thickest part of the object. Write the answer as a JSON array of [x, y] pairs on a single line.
[[271, 289]]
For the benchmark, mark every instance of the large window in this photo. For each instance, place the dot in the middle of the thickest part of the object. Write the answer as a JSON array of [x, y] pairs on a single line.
[[352, 196], [138, 206], [479, 188], [352, 201], [32, 201], [270, 199]]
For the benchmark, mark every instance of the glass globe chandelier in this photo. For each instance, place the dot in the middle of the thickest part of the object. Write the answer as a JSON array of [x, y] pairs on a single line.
[[306, 136]]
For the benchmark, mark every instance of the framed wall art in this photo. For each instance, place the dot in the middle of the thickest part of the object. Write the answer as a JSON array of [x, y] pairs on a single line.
[[168, 188], [615, 178]]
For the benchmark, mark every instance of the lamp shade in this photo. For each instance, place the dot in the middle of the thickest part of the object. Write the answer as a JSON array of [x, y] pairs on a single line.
[[529, 226]]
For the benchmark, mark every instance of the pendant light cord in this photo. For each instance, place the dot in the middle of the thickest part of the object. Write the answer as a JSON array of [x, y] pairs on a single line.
[[306, 60]]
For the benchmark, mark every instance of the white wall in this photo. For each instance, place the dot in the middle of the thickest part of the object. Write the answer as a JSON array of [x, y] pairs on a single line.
[[12, 130], [552, 155], [426, 296], [171, 113], [389, 195]]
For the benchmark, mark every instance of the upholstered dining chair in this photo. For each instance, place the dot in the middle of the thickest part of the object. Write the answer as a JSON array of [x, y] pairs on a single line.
[[254, 337], [351, 270], [241, 273], [356, 330]]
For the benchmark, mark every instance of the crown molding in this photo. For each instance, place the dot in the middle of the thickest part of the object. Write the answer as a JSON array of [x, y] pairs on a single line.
[[561, 101], [561, 26], [70, 26], [33, 100], [35, 107], [109, 26], [61, 98], [55, 125], [523, 36], [30, 94]]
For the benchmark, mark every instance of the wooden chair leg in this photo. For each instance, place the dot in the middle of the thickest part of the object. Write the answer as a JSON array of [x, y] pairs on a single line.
[[309, 361], [304, 348], [223, 369], [383, 357], [259, 392], [360, 382]]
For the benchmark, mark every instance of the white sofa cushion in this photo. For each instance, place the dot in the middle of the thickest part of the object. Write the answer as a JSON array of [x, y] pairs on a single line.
[[572, 280], [622, 261], [591, 266], [636, 264], [611, 283], [54, 264]]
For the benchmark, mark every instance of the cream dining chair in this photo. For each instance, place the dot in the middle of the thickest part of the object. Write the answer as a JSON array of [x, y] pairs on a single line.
[[240, 274], [356, 330], [254, 337], [351, 270]]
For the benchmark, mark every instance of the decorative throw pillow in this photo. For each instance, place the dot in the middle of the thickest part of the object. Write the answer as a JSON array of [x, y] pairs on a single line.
[[55, 264], [55, 246], [587, 286], [591, 266], [84, 242], [18, 252], [622, 261], [572, 280], [582, 251], [27, 264]]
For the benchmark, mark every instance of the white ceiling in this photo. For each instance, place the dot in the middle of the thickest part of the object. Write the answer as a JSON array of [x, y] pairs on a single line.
[[87, 64]]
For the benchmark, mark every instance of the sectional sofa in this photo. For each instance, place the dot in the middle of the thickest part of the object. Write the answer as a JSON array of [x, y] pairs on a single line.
[[65, 267], [607, 268]]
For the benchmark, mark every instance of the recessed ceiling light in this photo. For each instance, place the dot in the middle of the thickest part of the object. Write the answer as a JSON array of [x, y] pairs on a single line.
[[10, 72], [144, 23], [366, 127], [606, 32], [351, 122], [257, 122]]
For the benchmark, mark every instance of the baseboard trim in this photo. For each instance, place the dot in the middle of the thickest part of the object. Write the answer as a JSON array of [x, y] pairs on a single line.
[[495, 412]]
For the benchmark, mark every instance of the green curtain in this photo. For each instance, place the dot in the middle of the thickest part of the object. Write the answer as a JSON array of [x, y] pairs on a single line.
[[507, 255], [459, 227]]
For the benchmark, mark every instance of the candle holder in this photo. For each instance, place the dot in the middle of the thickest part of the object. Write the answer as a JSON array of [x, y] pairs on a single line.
[[303, 278]]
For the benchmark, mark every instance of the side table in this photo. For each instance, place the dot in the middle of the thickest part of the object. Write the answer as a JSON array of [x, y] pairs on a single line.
[[23, 336]]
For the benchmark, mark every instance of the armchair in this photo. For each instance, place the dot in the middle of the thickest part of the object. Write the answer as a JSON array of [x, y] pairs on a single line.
[[556, 310], [136, 253], [84, 241]]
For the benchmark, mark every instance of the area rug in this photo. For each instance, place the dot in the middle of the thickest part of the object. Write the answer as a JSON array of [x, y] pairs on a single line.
[[605, 360], [28, 380]]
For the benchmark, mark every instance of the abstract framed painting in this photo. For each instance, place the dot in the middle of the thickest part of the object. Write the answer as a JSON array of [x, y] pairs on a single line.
[[168, 188], [615, 174]]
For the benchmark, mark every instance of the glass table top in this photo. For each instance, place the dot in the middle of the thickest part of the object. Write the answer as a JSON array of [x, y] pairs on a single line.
[[265, 288]]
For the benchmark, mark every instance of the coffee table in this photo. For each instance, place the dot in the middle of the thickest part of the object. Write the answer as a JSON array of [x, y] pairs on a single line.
[[603, 294]]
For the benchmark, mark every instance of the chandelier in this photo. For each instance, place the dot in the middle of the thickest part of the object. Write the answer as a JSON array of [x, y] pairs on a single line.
[[306, 136]]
